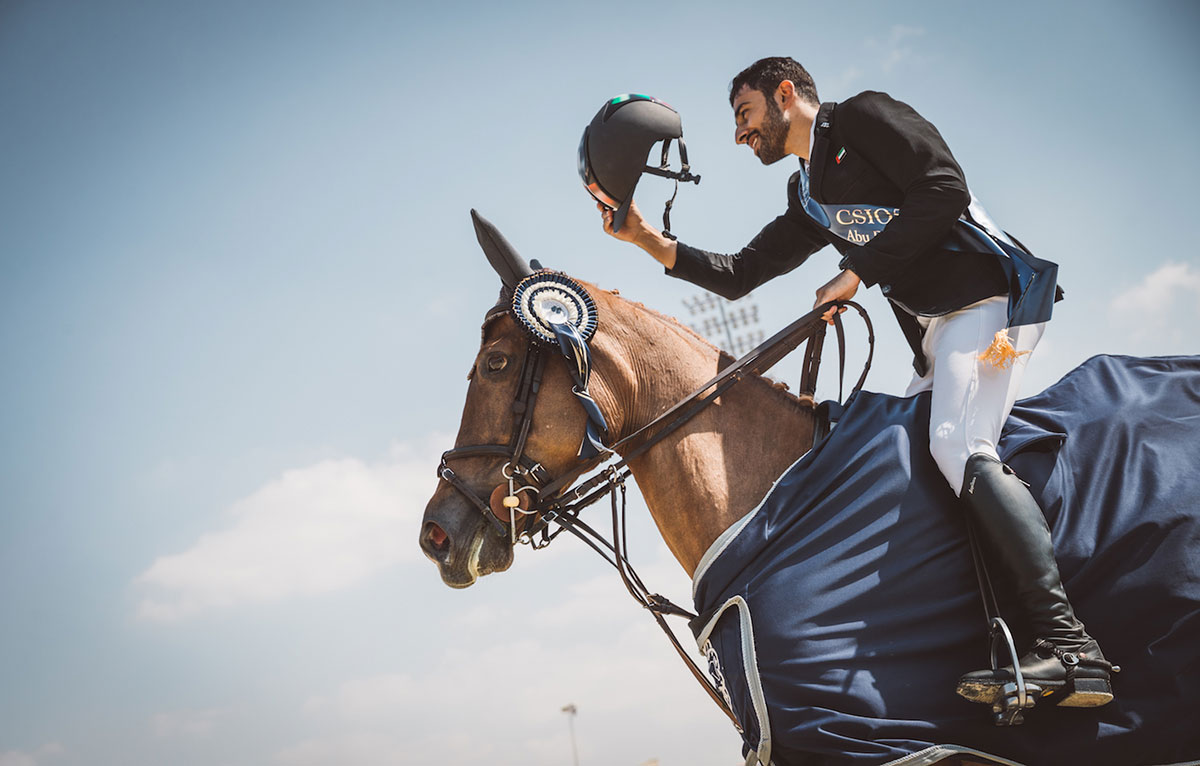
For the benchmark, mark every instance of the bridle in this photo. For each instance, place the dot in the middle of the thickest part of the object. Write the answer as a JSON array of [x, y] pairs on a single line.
[[517, 461], [560, 500]]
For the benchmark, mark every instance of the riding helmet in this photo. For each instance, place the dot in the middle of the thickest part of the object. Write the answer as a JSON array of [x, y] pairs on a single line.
[[616, 144]]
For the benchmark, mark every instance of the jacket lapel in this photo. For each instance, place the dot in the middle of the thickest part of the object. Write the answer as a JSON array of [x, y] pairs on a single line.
[[820, 150]]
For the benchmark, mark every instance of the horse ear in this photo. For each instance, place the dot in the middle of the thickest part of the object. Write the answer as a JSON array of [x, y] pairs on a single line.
[[504, 258]]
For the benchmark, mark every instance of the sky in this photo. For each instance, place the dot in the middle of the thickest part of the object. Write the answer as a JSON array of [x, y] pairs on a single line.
[[240, 292]]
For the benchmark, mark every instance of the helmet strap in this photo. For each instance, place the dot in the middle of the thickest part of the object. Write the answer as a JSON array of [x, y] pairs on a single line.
[[664, 171], [667, 213]]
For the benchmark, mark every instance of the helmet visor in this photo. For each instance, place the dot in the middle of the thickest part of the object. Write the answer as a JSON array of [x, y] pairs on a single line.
[[589, 178]]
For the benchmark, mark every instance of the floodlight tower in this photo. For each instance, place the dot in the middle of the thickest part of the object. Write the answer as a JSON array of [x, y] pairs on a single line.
[[571, 711], [717, 318]]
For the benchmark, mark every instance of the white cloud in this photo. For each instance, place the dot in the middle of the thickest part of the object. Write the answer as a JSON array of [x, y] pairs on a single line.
[[36, 758], [896, 49], [878, 55], [840, 84], [495, 693], [186, 723], [502, 704], [1149, 305], [313, 530], [349, 750]]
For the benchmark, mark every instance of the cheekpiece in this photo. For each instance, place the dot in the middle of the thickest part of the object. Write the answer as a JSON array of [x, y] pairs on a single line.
[[546, 298]]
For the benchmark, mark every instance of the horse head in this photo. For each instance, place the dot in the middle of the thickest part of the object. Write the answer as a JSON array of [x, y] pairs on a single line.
[[467, 529]]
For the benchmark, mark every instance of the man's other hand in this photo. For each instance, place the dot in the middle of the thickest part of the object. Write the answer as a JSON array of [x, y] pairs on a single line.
[[840, 288]]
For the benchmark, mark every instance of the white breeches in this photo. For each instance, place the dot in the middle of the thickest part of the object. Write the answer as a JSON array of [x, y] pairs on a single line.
[[970, 399]]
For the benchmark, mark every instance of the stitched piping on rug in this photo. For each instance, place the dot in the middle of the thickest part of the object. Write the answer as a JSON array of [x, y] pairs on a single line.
[[938, 752], [750, 669]]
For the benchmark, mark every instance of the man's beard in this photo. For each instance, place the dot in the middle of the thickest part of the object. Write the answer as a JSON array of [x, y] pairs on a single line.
[[773, 135]]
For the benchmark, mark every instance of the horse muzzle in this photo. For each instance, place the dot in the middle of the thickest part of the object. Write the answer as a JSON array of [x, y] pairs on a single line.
[[461, 542]]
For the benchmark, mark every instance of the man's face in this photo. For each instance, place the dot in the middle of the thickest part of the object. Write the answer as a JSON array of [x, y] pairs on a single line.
[[759, 123]]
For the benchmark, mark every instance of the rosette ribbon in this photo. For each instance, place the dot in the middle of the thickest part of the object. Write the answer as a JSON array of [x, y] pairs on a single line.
[[579, 362]]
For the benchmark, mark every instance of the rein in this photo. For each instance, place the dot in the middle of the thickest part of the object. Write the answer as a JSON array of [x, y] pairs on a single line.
[[755, 362], [560, 500]]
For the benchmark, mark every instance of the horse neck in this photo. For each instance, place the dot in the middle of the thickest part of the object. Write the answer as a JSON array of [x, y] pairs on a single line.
[[716, 467]]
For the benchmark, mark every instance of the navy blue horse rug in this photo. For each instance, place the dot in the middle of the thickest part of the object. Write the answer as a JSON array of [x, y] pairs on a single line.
[[838, 615]]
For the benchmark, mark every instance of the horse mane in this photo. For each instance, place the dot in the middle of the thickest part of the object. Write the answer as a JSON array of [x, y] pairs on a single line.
[[780, 388]]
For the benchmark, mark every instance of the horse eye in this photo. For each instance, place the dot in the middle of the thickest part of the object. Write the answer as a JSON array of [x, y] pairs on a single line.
[[497, 362]]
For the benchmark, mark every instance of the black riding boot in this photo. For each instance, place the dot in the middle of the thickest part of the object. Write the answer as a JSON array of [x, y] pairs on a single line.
[[1065, 661]]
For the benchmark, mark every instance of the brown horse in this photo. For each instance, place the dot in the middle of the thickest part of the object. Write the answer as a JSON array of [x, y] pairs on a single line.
[[856, 567], [696, 482]]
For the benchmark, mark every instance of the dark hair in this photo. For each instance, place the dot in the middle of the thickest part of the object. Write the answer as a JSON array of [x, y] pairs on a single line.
[[765, 75]]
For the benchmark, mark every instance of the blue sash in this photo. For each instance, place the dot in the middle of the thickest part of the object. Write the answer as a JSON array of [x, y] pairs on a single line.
[[1032, 282]]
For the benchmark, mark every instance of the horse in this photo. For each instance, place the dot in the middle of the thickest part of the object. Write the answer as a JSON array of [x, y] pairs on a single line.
[[877, 578]]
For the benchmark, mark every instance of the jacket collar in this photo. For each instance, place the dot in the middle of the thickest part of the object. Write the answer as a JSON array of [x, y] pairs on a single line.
[[820, 148]]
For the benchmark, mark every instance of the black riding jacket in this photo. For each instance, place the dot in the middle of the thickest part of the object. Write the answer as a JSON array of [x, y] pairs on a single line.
[[869, 149]]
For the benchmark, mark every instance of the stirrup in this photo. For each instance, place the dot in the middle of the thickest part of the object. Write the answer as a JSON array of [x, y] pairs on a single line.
[[1015, 698]]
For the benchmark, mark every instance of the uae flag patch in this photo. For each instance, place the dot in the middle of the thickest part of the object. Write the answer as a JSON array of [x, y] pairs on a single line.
[[841, 155]]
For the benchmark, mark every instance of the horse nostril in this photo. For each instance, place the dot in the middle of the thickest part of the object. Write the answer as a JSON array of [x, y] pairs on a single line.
[[437, 536], [435, 540]]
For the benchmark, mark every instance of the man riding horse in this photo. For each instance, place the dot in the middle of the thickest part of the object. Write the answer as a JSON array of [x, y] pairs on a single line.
[[878, 182]]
